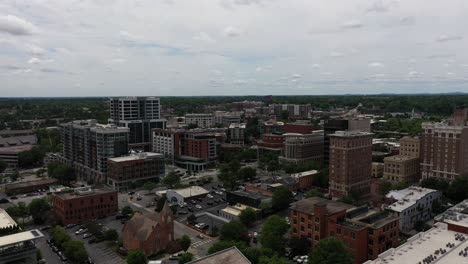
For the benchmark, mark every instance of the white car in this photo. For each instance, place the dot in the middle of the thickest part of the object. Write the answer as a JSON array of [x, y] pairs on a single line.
[[255, 234], [210, 196], [198, 206], [81, 230]]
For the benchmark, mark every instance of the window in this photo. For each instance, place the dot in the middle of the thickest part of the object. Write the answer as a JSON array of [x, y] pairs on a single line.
[[302, 228], [302, 219], [338, 230], [317, 220]]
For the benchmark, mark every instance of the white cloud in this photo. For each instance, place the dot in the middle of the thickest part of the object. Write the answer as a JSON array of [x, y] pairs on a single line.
[[34, 50], [375, 65], [118, 60], [315, 65], [240, 82], [352, 24], [445, 38], [34, 60], [415, 74], [336, 54], [231, 32], [381, 6], [204, 37], [15, 25], [296, 76]]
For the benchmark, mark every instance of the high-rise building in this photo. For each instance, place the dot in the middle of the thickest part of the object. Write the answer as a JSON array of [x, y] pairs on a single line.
[[200, 120], [444, 147], [236, 133], [300, 148], [405, 166], [87, 145], [140, 115], [350, 164], [293, 110]]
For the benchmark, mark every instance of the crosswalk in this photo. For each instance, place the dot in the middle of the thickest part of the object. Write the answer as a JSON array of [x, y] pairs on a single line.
[[200, 243]]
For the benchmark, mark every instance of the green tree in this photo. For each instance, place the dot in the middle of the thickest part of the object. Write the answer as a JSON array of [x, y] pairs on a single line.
[[384, 187], [59, 236], [18, 211], [111, 235], [75, 251], [39, 209], [248, 216], [3, 165], [246, 173], [184, 242], [436, 184], [235, 231], [273, 260], [330, 251], [185, 258], [272, 233], [149, 186], [299, 246], [127, 210], [62, 172], [313, 193], [171, 179], [136, 257], [282, 198], [457, 190], [160, 204]]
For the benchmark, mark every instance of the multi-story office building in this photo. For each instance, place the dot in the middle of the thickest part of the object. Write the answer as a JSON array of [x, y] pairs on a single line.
[[87, 145], [194, 150], [226, 118], [137, 167], [350, 164], [294, 110], [270, 143], [140, 115], [405, 166], [236, 133], [300, 148], [412, 205], [444, 147], [84, 204], [377, 169], [17, 246], [200, 120], [333, 125], [364, 232], [12, 146]]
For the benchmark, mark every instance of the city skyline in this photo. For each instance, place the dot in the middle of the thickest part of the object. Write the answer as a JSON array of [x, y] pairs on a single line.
[[232, 47]]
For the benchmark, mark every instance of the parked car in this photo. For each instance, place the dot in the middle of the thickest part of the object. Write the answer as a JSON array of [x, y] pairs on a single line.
[[4, 200], [89, 261], [209, 203], [14, 197], [182, 212], [47, 227], [122, 251], [41, 261], [81, 230], [200, 236], [87, 235], [210, 196], [198, 206], [55, 249], [131, 193], [190, 209], [193, 202], [92, 241], [174, 257], [62, 256], [70, 226], [119, 216]]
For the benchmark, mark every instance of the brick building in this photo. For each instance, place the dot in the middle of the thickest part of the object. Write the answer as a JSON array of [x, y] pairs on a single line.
[[304, 180], [152, 233], [444, 147], [377, 169], [301, 128], [405, 166], [137, 167], [350, 164], [84, 204], [301, 148], [365, 233], [270, 143]]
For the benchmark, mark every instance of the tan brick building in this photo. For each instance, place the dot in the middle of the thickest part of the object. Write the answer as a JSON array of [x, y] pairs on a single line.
[[152, 234], [404, 167], [377, 169]]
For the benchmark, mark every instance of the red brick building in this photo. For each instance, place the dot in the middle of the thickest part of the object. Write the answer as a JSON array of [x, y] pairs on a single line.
[[301, 148], [304, 180], [365, 233], [84, 204], [270, 143], [350, 164], [301, 128], [150, 233], [443, 147]]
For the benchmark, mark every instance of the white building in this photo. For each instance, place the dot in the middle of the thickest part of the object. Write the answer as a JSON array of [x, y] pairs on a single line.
[[201, 120], [437, 245], [456, 217], [413, 204], [186, 194], [232, 213]]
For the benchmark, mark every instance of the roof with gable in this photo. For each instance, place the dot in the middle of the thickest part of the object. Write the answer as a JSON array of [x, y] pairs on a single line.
[[141, 226]]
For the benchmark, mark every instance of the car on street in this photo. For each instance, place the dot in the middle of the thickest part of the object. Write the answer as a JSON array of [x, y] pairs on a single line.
[[131, 193], [200, 236], [92, 241], [47, 227], [62, 256], [174, 257], [209, 203], [55, 249], [70, 226], [89, 261], [198, 206], [81, 230], [13, 197], [182, 212], [210, 196], [193, 202], [87, 235]]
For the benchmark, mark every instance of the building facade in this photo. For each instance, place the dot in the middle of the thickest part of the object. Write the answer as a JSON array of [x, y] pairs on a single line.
[[404, 167], [200, 120], [377, 169], [350, 164], [270, 143], [84, 204], [87, 145], [412, 205], [444, 147], [236, 133], [140, 115], [301, 148], [294, 110], [365, 233], [137, 167], [151, 233]]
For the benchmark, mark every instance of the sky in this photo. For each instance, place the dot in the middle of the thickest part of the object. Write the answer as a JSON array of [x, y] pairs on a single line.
[[232, 47]]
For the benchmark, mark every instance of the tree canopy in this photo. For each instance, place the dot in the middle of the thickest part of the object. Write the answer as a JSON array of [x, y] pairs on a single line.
[[39, 209], [136, 257], [184, 242], [282, 198], [235, 231], [330, 251], [272, 233], [248, 216]]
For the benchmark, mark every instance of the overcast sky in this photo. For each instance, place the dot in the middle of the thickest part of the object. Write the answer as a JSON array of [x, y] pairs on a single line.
[[232, 47]]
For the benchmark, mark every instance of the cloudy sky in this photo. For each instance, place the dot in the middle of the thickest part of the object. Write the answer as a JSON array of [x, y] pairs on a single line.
[[232, 47]]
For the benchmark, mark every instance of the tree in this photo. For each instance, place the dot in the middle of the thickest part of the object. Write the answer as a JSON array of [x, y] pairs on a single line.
[[136, 257], [313, 193], [3, 165], [149, 186], [191, 218], [246, 173], [221, 245], [127, 210], [186, 257], [299, 246], [347, 199], [39, 209], [281, 199], [285, 115], [75, 251], [184, 242], [18, 211], [248, 216], [457, 190], [272, 233], [111, 235], [171, 179], [214, 230], [235, 231], [160, 204], [272, 260], [384, 187], [59, 236], [62, 172], [436, 184], [330, 251]]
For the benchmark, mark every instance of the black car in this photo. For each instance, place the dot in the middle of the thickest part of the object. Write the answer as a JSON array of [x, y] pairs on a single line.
[[70, 226], [119, 216], [92, 241], [13, 197], [182, 212], [131, 193], [209, 203], [47, 227], [89, 261], [190, 210], [54, 249]]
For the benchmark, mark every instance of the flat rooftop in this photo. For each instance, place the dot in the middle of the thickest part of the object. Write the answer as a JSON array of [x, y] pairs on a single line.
[[20, 237], [237, 209], [5, 219], [30, 183], [457, 215], [427, 244], [230, 255], [137, 156], [400, 158], [407, 197], [304, 173], [251, 194], [191, 191], [83, 192], [307, 205], [350, 134]]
